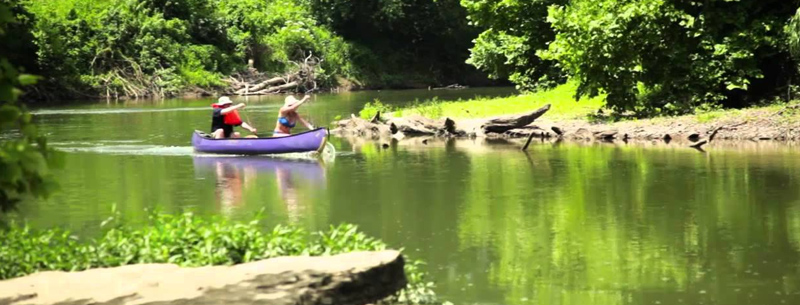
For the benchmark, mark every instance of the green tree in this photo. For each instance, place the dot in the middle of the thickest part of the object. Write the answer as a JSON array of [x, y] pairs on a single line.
[[402, 42], [793, 33], [161, 47], [655, 55], [277, 32], [124, 49], [515, 31], [25, 158]]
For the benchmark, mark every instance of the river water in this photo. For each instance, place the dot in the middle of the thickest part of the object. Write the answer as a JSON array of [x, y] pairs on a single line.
[[564, 223]]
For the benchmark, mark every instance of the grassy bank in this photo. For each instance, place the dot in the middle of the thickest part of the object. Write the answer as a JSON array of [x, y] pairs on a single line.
[[188, 240], [561, 98], [564, 108]]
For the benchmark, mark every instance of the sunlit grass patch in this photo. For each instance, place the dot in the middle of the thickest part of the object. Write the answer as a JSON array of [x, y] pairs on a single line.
[[561, 98]]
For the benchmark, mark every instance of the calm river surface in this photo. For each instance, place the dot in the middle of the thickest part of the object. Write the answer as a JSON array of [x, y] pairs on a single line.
[[562, 224]]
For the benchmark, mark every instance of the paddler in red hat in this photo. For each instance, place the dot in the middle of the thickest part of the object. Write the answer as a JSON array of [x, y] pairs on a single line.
[[225, 117]]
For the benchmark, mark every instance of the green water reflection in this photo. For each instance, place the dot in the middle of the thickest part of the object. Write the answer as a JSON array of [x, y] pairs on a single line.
[[561, 224]]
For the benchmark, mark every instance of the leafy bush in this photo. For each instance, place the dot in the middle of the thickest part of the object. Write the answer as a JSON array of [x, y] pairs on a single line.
[[276, 32], [25, 158], [648, 56], [670, 55], [187, 240], [515, 32], [432, 108], [160, 47], [372, 108]]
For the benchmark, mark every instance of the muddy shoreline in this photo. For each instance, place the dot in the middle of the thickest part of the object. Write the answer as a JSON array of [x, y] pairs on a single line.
[[756, 125]]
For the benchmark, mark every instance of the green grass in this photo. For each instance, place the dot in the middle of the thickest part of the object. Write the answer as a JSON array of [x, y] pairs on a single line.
[[564, 107], [781, 113], [561, 98], [188, 240]]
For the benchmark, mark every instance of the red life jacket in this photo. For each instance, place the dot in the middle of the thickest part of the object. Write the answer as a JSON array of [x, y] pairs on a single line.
[[230, 118]]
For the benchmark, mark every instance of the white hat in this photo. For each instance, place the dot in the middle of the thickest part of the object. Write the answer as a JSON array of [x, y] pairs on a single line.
[[224, 101], [289, 100]]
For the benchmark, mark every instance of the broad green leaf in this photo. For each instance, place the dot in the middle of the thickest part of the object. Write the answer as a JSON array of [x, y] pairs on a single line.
[[28, 79]]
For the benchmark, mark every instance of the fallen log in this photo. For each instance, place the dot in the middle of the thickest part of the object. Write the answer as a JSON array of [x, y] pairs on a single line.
[[503, 124], [356, 126], [259, 86], [299, 79], [274, 89], [699, 145], [712, 134], [606, 135], [419, 125]]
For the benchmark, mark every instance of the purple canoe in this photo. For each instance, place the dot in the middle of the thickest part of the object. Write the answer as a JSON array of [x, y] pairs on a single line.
[[312, 140]]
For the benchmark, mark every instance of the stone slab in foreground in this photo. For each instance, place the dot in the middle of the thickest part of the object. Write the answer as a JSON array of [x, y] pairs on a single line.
[[352, 278]]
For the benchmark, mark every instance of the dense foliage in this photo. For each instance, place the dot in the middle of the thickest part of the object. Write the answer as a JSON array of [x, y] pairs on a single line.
[[160, 47], [401, 43], [793, 33], [517, 30], [187, 240], [164, 47], [673, 55], [649, 56], [25, 158]]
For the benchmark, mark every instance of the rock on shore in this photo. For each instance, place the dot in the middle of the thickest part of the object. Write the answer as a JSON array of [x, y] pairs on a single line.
[[352, 278]]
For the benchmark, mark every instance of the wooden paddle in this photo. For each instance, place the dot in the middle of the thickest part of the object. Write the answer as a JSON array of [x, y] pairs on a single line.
[[247, 117]]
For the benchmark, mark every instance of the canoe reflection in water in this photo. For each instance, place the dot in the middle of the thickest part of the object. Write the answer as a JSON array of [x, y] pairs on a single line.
[[236, 175]]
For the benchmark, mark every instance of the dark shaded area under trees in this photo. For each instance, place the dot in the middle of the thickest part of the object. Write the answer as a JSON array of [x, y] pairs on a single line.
[[405, 43]]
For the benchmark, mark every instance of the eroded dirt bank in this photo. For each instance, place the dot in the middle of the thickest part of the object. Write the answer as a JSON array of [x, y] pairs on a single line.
[[757, 124]]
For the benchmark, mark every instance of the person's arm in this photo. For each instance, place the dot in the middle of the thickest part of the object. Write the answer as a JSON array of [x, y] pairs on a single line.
[[232, 108], [248, 127], [296, 105], [308, 125]]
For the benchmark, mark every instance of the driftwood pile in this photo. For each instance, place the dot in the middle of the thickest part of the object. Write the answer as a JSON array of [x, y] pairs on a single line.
[[521, 126], [452, 87], [416, 125], [682, 130], [253, 82]]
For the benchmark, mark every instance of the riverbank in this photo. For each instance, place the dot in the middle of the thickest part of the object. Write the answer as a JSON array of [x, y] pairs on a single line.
[[554, 114], [188, 241], [354, 278]]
